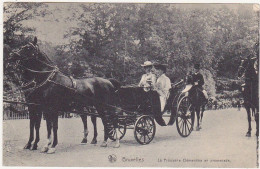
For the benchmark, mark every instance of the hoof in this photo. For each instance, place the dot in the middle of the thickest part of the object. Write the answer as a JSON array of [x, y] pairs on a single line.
[[248, 134], [117, 145], [27, 146], [44, 149], [94, 141], [104, 144], [84, 141], [34, 147], [197, 128], [51, 151]]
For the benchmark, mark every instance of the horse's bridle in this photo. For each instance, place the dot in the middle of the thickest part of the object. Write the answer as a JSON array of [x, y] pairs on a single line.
[[19, 63]]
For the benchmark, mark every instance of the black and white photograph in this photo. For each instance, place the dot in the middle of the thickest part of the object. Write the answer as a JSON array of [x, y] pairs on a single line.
[[120, 84]]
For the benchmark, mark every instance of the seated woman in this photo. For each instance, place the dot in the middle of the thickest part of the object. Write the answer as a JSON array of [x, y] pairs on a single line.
[[148, 79], [162, 85]]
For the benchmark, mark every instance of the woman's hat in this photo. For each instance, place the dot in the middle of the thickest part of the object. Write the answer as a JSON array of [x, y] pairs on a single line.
[[160, 66], [147, 63]]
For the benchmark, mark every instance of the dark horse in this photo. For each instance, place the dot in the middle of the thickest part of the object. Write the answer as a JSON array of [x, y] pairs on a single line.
[[51, 91], [250, 90], [197, 101]]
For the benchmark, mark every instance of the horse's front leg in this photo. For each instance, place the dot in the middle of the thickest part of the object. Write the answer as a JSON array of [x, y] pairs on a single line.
[[198, 118], [31, 137], [55, 133], [85, 125], [115, 122], [104, 121], [94, 122], [248, 134], [37, 129], [32, 116], [202, 111], [49, 137]]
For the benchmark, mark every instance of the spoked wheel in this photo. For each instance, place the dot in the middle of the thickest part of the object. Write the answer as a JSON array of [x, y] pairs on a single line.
[[144, 130], [112, 131], [185, 117]]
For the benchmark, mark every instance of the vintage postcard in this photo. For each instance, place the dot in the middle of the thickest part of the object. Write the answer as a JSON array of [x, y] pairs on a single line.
[[88, 84]]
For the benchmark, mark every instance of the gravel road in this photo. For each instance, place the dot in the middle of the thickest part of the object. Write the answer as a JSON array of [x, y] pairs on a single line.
[[220, 143]]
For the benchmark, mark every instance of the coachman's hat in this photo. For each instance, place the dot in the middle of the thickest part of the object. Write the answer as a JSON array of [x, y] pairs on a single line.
[[197, 66]]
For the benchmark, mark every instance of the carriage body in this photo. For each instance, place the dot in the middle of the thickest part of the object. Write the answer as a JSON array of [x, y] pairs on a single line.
[[139, 109], [134, 100]]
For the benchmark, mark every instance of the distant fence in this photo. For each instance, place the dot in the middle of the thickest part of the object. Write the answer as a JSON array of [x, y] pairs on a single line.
[[15, 111], [20, 111]]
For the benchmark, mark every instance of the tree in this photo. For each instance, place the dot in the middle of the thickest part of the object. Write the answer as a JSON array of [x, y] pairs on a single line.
[[16, 33]]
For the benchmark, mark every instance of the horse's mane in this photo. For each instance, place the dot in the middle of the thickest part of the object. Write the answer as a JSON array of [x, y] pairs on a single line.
[[46, 57]]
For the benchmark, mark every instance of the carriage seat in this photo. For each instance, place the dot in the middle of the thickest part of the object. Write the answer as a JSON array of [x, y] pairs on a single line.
[[187, 88]]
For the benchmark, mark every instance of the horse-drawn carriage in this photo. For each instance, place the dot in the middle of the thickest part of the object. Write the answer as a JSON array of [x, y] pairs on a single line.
[[48, 90], [139, 110]]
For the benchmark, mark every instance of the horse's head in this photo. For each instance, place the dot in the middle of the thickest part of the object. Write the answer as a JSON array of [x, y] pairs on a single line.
[[246, 68], [24, 55], [27, 60]]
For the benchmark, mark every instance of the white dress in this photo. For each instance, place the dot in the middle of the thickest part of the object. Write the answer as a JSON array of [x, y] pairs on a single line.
[[163, 86]]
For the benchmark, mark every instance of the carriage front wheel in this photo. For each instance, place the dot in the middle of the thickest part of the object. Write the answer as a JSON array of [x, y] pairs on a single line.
[[144, 130], [112, 131], [185, 117]]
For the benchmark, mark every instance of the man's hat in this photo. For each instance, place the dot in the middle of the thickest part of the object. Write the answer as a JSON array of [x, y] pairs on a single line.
[[147, 63], [197, 66]]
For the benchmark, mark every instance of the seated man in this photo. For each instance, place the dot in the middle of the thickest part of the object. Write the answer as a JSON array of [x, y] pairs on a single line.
[[198, 80], [148, 79], [162, 85]]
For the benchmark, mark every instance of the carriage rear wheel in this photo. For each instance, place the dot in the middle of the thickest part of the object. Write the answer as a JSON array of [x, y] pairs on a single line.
[[112, 131], [185, 117], [144, 130]]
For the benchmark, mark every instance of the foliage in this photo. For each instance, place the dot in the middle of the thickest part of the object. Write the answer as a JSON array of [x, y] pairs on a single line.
[[112, 40]]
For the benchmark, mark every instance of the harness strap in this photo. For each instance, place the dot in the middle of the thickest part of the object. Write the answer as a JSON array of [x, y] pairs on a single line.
[[53, 72], [73, 81], [36, 71]]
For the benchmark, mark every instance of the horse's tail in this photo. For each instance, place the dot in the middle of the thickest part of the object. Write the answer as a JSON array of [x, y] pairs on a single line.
[[115, 83]]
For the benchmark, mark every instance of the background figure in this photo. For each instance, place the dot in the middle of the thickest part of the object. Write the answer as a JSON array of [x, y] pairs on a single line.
[[198, 81]]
